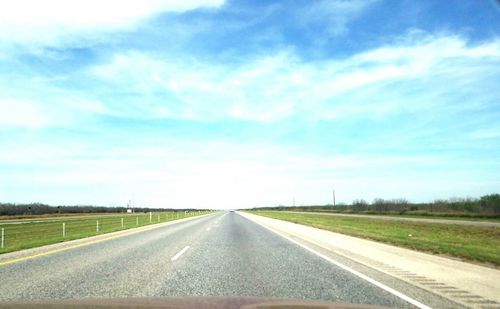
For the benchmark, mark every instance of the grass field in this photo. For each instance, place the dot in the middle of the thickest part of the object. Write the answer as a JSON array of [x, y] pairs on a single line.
[[472, 243], [410, 216], [23, 234], [55, 216]]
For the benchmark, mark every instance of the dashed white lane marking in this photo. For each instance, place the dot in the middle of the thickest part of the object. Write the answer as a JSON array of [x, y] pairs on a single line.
[[175, 257], [208, 228]]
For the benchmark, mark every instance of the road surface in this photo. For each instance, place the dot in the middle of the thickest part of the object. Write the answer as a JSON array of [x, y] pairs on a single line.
[[224, 254]]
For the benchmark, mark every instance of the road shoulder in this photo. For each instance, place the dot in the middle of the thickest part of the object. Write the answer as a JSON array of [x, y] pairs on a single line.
[[468, 284]]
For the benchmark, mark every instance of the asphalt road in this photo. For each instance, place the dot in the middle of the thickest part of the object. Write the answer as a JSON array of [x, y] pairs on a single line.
[[218, 255]]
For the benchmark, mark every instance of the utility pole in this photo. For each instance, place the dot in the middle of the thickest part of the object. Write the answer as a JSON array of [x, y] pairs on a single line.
[[333, 198]]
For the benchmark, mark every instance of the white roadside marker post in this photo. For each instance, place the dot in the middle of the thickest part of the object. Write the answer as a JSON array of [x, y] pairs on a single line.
[[136, 220], [122, 222], [64, 229], [150, 217], [158, 218], [97, 226], [3, 238]]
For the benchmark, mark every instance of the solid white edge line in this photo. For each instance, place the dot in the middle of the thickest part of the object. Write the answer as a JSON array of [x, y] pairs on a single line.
[[175, 257], [354, 272]]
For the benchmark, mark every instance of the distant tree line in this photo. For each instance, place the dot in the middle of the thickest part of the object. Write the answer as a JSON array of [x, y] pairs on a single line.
[[488, 205], [9, 209]]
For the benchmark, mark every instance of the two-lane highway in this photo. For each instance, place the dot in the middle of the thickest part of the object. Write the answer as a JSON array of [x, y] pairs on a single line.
[[224, 254]]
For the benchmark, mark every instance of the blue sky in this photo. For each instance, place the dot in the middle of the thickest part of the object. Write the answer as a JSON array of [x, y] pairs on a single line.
[[213, 103]]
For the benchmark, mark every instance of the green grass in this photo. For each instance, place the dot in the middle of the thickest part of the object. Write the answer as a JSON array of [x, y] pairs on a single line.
[[52, 217], [471, 243], [436, 216], [24, 234]]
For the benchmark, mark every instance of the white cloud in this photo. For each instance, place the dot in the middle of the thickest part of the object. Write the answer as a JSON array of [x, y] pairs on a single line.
[[282, 85], [51, 21], [22, 114], [371, 84], [63, 109]]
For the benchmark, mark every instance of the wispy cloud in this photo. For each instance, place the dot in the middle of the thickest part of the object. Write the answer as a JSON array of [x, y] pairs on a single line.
[[337, 13], [282, 85], [51, 22]]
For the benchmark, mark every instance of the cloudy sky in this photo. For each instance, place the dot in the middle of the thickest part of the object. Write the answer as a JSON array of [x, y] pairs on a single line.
[[213, 103]]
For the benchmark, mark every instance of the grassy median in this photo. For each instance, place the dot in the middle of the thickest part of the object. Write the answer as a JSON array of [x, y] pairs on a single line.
[[471, 243], [23, 234]]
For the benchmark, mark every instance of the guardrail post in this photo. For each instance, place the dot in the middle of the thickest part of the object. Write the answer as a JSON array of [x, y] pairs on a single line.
[[64, 229], [3, 238]]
